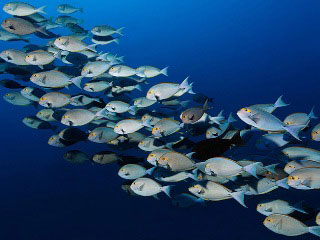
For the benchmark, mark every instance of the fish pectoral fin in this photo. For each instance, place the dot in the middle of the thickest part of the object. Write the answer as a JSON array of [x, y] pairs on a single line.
[[43, 80], [254, 118], [268, 210], [191, 117], [307, 182], [278, 225], [140, 188], [12, 27], [100, 135]]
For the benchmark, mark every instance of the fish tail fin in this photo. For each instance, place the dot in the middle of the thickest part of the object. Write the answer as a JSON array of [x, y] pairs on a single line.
[[206, 105], [164, 71], [92, 47], [311, 114], [191, 90], [283, 183], [314, 230], [42, 30], [77, 81], [181, 125], [194, 174], [167, 190], [41, 10], [120, 59], [138, 87], [185, 84], [102, 56], [201, 201], [252, 169], [294, 130], [299, 207], [98, 100], [146, 123], [151, 170], [133, 110], [116, 40], [119, 31], [231, 119], [271, 168], [102, 113], [170, 145], [280, 103], [58, 54], [217, 119], [184, 103], [239, 197]]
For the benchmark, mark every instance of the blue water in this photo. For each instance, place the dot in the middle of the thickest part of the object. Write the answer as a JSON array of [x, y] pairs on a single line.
[[238, 52]]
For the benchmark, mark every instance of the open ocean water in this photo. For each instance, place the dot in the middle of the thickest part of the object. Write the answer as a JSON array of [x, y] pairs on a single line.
[[239, 52]]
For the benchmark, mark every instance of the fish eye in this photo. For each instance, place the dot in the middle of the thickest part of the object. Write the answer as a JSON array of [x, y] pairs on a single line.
[[152, 155], [184, 116], [43, 98], [142, 142], [207, 165], [269, 220], [260, 205], [290, 166], [52, 138], [8, 94], [150, 92], [40, 113], [196, 186]]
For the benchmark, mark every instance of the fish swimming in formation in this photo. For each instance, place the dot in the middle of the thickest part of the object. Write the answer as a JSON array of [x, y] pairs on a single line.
[[207, 157]]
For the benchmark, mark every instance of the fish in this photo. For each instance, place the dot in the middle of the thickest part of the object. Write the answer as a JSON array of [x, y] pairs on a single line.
[[127, 126], [71, 44], [301, 153], [104, 40], [56, 141], [7, 36], [64, 20], [73, 134], [270, 108], [305, 178], [166, 127], [94, 69], [165, 175], [32, 93], [216, 192], [150, 72], [41, 57], [288, 226], [78, 117], [185, 200], [163, 91], [14, 56], [120, 107], [278, 206], [176, 162], [105, 30], [272, 141], [16, 98], [35, 123], [132, 171], [147, 187], [54, 100], [68, 9], [318, 218], [22, 9], [11, 84], [106, 157], [143, 102], [295, 165], [83, 100], [54, 79], [315, 133], [102, 135], [97, 86], [21, 27], [299, 118], [76, 156], [122, 71], [267, 122], [155, 155], [46, 115]]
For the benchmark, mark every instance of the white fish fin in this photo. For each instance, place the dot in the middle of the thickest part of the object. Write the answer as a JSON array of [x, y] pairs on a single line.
[[132, 110], [311, 114], [41, 67], [166, 190], [119, 31], [189, 155], [280, 103], [294, 130], [156, 196], [97, 100], [283, 183], [298, 207], [146, 123], [193, 175], [151, 170], [314, 230], [181, 125], [184, 104], [138, 87], [120, 59], [218, 119], [58, 54], [116, 40], [239, 197], [41, 10], [164, 71], [92, 47], [252, 168], [42, 29], [271, 168], [77, 81], [231, 119]]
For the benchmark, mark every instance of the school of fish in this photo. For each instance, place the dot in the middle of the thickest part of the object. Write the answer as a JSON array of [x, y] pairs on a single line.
[[82, 94]]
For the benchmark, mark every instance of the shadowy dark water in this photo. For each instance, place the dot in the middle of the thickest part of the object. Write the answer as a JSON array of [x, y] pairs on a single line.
[[238, 52]]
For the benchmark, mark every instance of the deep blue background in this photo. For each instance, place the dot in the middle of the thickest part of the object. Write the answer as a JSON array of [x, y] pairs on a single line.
[[239, 52]]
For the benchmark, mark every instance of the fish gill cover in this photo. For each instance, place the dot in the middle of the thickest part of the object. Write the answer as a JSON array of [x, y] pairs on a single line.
[[160, 137]]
